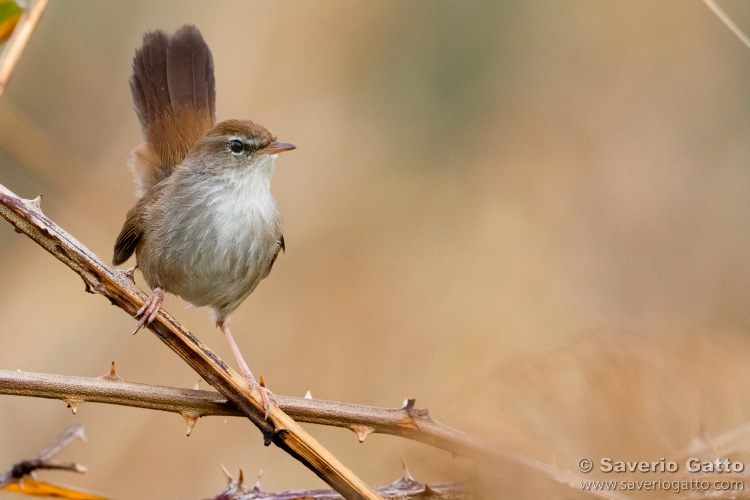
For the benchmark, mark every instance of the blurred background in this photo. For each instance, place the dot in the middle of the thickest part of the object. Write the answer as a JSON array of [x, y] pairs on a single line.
[[531, 216]]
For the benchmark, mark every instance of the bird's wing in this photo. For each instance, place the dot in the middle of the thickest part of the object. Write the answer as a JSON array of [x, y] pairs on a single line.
[[280, 246], [132, 230]]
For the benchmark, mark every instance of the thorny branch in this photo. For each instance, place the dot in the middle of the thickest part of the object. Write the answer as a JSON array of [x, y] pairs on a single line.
[[404, 488], [118, 286], [408, 421]]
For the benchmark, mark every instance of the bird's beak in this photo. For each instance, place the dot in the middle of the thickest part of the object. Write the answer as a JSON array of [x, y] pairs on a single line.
[[276, 147]]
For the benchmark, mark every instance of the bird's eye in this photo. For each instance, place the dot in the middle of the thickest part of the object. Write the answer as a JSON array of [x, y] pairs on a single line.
[[236, 146]]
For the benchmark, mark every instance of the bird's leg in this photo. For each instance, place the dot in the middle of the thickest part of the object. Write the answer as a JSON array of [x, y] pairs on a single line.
[[246, 373], [149, 309]]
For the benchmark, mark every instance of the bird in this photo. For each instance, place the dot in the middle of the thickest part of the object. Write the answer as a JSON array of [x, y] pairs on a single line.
[[205, 226]]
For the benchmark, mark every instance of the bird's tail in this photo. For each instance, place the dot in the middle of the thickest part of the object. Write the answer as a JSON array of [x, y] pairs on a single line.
[[174, 93]]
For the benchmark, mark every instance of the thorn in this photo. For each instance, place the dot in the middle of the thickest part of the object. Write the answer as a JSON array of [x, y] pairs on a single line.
[[409, 406], [130, 274], [256, 488], [263, 383], [195, 387], [229, 477], [308, 395], [241, 480], [81, 468], [37, 202], [191, 419], [112, 375], [362, 431], [406, 481], [73, 404], [428, 492], [406, 475]]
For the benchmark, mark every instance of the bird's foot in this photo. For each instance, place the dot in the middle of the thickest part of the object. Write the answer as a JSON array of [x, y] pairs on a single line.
[[149, 309], [268, 397]]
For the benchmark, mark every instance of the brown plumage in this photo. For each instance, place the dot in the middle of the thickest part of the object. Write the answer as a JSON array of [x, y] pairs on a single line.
[[174, 94], [205, 227]]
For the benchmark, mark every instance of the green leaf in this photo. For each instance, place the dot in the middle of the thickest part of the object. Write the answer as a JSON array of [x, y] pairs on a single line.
[[10, 12]]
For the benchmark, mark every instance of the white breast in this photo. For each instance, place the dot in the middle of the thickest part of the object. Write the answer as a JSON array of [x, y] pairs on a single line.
[[222, 232]]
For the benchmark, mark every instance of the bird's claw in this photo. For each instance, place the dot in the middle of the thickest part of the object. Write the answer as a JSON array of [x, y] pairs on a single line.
[[149, 309], [268, 396]]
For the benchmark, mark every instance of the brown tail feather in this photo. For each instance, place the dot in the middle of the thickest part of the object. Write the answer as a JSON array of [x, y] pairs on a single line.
[[189, 55], [174, 93]]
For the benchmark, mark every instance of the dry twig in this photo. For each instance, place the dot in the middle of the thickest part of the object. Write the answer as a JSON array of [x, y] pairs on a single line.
[[44, 460], [404, 488], [119, 288], [727, 21], [407, 422], [17, 41]]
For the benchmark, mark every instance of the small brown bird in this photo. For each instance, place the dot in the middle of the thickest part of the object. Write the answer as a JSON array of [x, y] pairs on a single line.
[[206, 227]]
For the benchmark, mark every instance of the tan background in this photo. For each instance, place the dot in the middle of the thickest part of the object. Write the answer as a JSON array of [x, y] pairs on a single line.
[[531, 216]]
